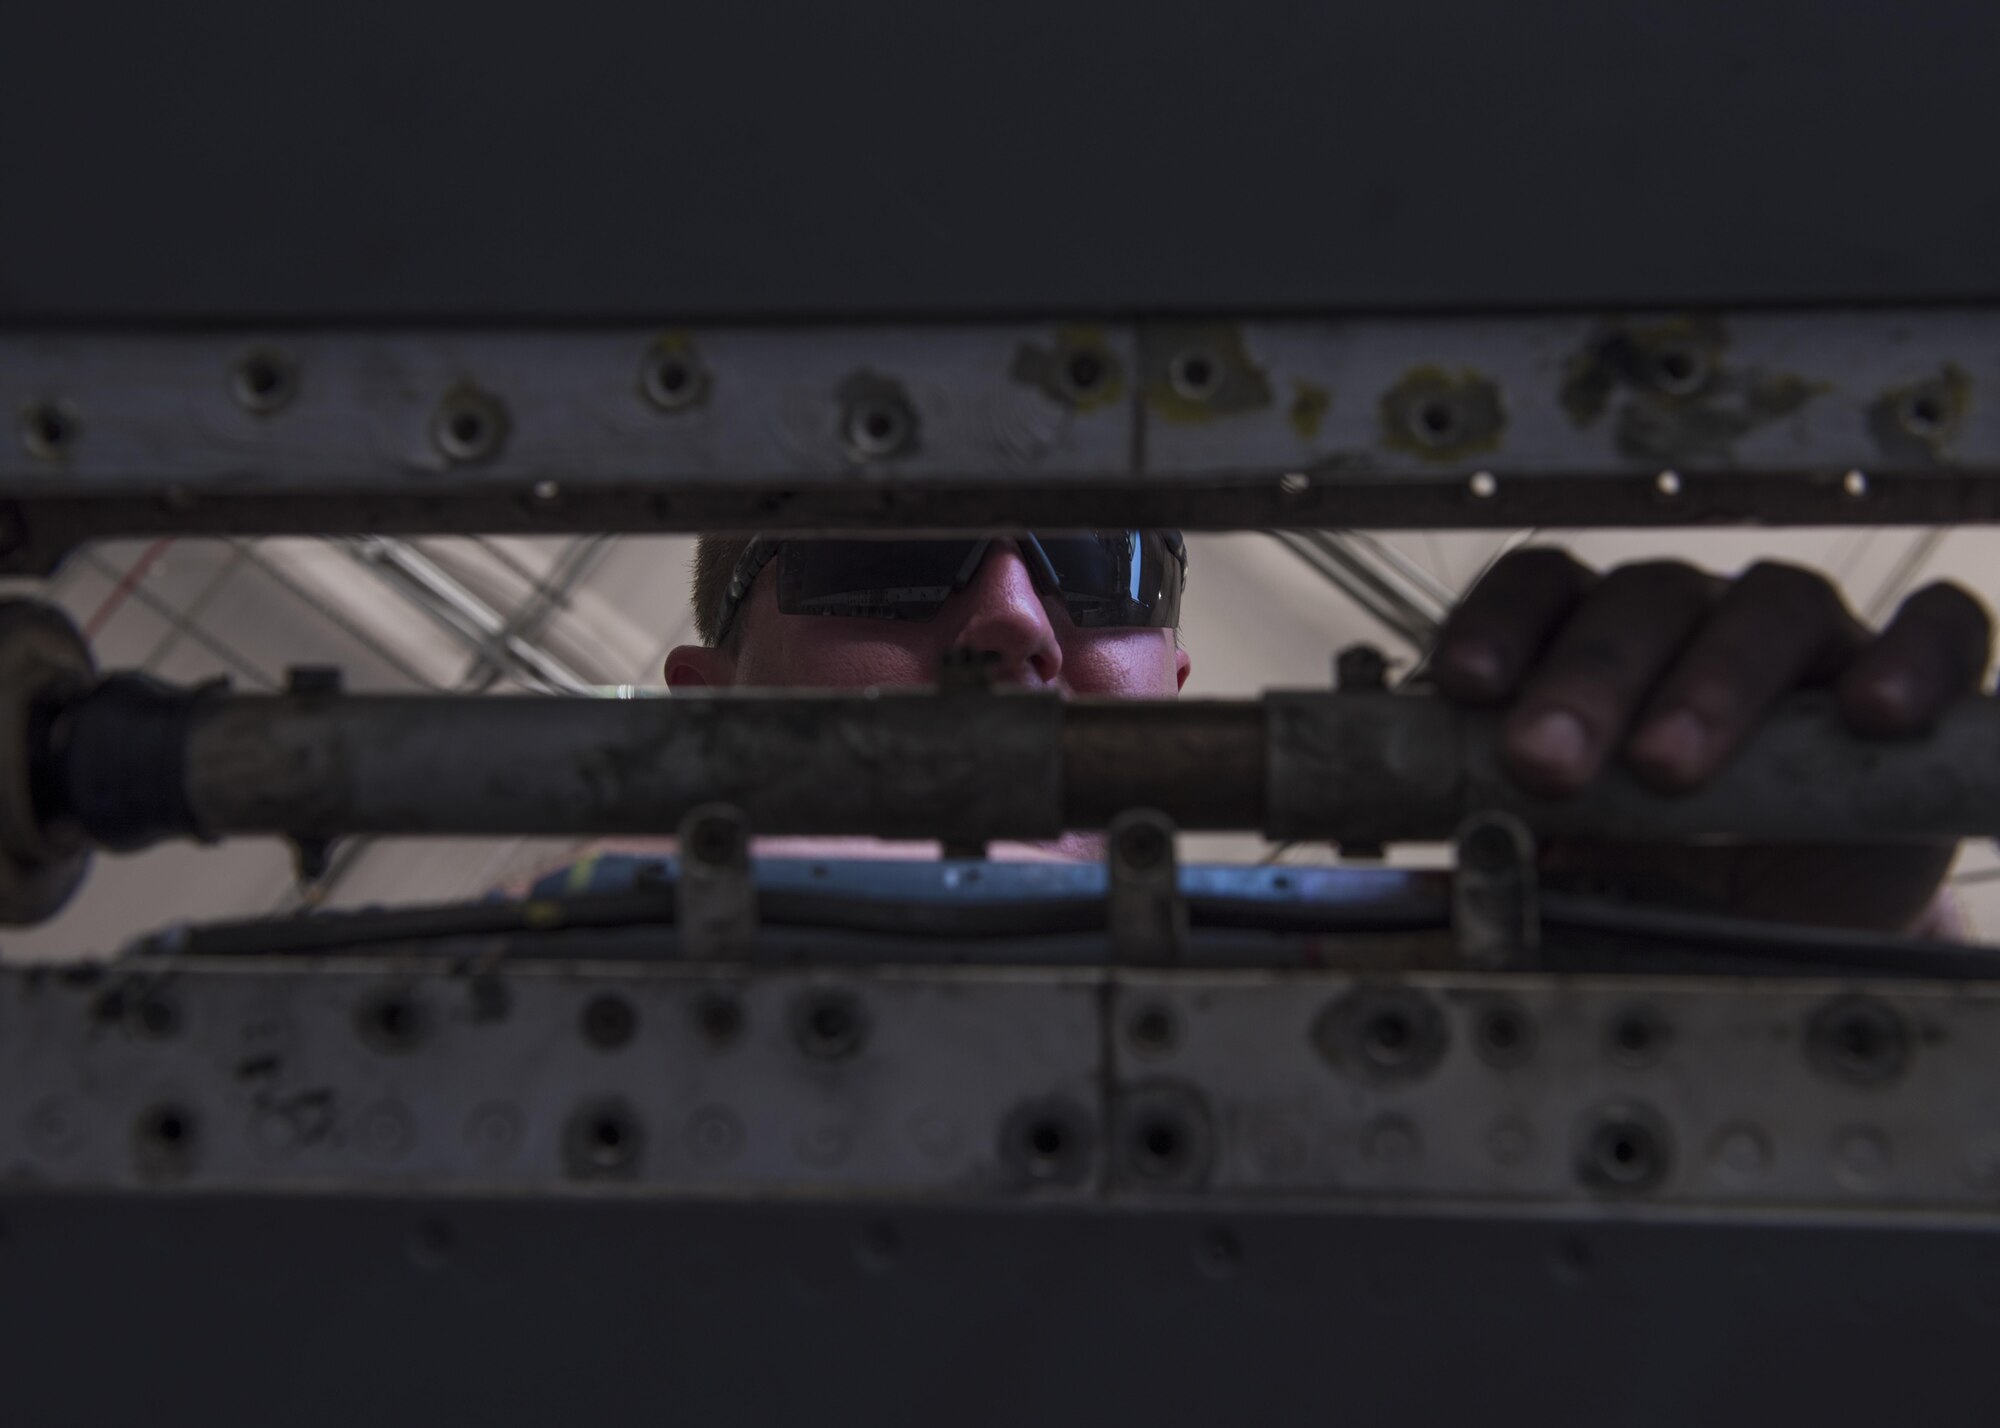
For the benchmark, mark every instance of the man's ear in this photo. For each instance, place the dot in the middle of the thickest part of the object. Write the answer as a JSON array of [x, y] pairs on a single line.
[[699, 667], [1182, 664]]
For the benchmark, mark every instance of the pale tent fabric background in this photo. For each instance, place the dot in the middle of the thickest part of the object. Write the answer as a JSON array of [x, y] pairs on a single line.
[[507, 615]]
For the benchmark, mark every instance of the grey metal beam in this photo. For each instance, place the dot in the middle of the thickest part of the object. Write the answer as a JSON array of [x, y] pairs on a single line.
[[1832, 416]]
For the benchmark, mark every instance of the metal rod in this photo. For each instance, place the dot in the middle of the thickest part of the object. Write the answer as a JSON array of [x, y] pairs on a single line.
[[132, 763]]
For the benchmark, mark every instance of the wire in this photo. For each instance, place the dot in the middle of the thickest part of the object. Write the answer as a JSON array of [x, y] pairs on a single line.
[[101, 616]]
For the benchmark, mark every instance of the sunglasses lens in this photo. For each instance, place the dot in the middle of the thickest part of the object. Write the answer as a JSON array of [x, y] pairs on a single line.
[[1117, 578], [882, 579], [1106, 579]]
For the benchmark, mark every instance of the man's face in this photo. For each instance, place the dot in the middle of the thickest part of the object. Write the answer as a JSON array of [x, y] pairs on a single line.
[[1001, 612]]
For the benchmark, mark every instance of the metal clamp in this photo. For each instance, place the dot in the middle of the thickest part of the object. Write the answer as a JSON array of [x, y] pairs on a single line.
[[1148, 915], [716, 903], [1496, 919]]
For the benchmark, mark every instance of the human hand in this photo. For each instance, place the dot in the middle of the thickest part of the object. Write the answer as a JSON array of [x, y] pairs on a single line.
[[1669, 669]]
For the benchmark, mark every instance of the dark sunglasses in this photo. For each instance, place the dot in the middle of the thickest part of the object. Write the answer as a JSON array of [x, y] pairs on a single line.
[[1104, 579]]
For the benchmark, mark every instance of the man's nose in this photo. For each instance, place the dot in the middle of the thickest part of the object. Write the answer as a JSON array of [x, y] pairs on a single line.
[[1002, 613]]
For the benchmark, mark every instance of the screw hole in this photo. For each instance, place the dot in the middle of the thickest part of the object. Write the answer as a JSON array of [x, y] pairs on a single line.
[[1389, 1037], [1926, 414], [48, 430], [878, 428], [1637, 1036], [829, 1026], [1045, 1142], [1195, 375], [1154, 1030], [1859, 1040], [391, 1021], [720, 1018], [164, 1139], [1679, 371], [604, 1139], [470, 426], [158, 1018], [1084, 372], [1504, 1036], [1437, 421], [1162, 1140], [609, 1022], [1624, 1153], [672, 380], [263, 382]]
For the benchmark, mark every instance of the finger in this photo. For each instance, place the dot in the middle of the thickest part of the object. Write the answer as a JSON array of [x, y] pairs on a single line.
[[1577, 702], [1492, 637], [1935, 650], [1776, 628]]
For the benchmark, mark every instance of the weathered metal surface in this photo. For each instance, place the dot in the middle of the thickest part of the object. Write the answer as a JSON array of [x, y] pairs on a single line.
[[686, 1079], [1402, 767], [1627, 1091], [895, 764], [1420, 421], [1350, 767], [987, 1085]]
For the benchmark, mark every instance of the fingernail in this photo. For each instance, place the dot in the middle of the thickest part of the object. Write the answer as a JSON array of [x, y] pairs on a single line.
[[1675, 744], [1555, 741], [1474, 666], [1889, 700]]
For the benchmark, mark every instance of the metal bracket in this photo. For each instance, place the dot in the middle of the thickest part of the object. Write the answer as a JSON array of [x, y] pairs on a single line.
[[1148, 915], [1495, 914], [716, 904], [961, 672]]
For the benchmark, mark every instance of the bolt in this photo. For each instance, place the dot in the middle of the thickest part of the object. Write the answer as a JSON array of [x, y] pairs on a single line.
[[1383, 1035], [1360, 669], [1859, 1040], [1143, 845]]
